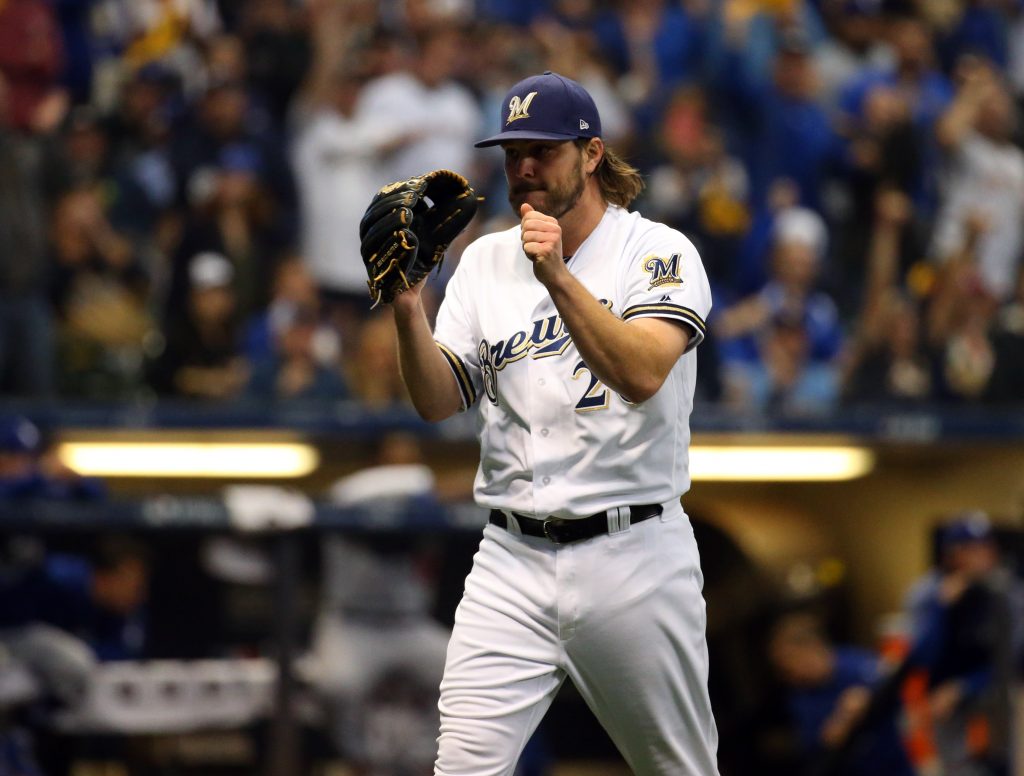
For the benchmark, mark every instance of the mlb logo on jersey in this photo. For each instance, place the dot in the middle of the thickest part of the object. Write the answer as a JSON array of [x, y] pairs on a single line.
[[519, 108], [663, 272]]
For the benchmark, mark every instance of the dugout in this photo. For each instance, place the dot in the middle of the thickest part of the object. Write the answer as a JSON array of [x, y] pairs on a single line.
[[849, 546]]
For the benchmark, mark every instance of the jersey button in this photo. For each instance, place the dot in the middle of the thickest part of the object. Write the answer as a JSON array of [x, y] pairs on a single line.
[[546, 480], [541, 381], [544, 432]]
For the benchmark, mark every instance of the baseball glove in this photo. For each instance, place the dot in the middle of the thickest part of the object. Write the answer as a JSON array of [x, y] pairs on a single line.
[[407, 228]]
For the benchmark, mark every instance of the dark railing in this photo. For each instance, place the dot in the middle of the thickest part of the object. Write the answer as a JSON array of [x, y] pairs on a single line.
[[918, 422]]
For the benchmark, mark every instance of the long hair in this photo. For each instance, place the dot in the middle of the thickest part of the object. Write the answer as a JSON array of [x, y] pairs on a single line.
[[620, 182]]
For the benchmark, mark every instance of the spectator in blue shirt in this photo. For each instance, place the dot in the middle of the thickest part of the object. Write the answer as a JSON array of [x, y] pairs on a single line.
[[914, 72], [922, 86], [828, 691], [776, 120], [779, 345], [298, 368]]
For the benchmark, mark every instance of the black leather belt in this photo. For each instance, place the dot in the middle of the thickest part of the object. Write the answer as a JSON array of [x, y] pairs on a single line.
[[562, 531]]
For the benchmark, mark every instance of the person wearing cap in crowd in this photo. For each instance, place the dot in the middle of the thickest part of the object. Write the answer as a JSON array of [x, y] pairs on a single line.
[[779, 345], [300, 355], [575, 330], [966, 625], [233, 209], [202, 356]]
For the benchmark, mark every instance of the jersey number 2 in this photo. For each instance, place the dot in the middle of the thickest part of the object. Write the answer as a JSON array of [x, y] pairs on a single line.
[[596, 395]]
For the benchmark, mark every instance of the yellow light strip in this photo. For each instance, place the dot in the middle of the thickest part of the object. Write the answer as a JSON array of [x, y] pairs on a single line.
[[189, 459], [277, 460], [779, 463]]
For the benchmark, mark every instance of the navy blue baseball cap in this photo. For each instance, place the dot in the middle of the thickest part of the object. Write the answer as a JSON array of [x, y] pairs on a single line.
[[967, 528], [546, 107]]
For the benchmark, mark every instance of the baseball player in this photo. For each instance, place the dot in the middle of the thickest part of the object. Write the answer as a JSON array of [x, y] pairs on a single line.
[[574, 334]]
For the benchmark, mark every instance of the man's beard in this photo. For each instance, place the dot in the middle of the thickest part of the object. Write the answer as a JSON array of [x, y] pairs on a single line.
[[559, 200]]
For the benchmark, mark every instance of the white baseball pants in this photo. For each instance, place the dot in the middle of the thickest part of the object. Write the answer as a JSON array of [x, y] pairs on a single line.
[[622, 615]]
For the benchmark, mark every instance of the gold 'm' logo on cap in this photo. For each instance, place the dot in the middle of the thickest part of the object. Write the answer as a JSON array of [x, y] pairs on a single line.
[[519, 109]]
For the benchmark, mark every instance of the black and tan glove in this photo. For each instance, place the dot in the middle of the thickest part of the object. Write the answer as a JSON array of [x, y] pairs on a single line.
[[408, 227]]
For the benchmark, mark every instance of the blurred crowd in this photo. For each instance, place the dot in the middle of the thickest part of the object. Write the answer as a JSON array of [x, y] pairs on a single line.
[[181, 183]]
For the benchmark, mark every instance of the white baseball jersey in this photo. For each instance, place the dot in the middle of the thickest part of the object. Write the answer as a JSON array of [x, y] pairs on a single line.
[[554, 439]]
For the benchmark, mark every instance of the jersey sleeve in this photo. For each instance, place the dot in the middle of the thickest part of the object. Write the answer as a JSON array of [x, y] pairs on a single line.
[[663, 277], [455, 336]]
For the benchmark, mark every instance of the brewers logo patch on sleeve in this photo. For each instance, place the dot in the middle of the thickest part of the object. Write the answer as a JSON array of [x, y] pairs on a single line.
[[663, 271], [668, 281]]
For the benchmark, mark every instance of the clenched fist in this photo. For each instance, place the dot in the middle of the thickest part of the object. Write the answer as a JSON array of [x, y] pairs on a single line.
[[542, 243]]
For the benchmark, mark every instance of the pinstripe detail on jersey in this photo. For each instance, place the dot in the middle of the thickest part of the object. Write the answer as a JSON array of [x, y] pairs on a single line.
[[461, 375], [667, 310]]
